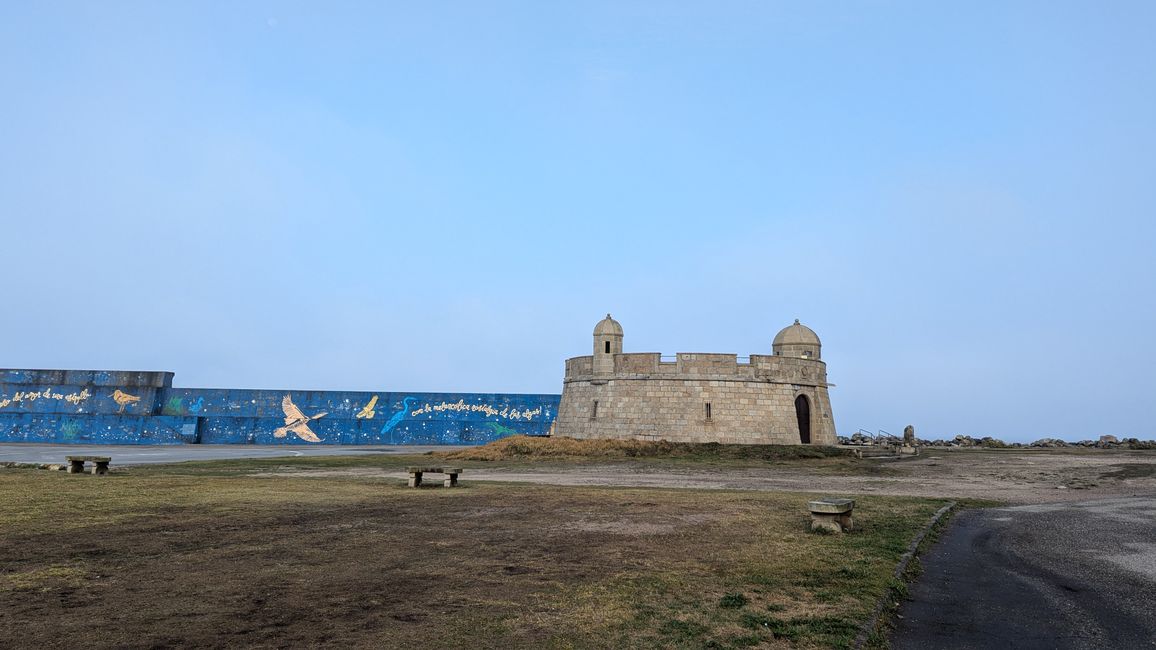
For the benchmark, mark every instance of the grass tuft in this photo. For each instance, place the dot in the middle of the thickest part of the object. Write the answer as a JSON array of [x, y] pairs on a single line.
[[733, 601], [43, 579]]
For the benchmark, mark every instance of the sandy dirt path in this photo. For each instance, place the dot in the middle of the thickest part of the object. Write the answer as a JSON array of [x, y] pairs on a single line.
[[1012, 477]]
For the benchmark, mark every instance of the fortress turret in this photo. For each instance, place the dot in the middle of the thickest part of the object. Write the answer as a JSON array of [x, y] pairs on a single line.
[[799, 341], [607, 343]]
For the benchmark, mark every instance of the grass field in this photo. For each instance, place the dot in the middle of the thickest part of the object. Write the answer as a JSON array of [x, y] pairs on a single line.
[[232, 554]]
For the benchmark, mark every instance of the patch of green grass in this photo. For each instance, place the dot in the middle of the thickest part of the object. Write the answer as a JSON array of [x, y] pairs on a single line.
[[733, 601], [1131, 470], [43, 578], [678, 631], [778, 628], [828, 596], [830, 628], [740, 641]]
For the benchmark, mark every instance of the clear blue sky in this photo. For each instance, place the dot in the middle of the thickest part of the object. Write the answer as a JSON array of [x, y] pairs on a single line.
[[958, 197]]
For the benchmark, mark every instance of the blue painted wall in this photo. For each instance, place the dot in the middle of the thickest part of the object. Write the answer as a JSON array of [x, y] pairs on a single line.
[[118, 378], [258, 416], [88, 406], [78, 399], [98, 429]]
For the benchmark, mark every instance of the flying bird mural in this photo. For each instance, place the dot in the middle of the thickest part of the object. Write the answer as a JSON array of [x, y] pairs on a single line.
[[297, 422], [367, 411]]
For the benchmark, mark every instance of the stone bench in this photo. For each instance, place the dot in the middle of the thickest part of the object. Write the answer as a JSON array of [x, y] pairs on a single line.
[[831, 514], [450, 472], [99, 464]]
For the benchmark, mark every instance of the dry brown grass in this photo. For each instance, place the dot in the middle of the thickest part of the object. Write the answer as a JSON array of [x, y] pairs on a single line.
[[203, 560]]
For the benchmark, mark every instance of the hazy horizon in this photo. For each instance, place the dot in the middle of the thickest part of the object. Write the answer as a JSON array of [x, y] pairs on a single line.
[[957, 199]]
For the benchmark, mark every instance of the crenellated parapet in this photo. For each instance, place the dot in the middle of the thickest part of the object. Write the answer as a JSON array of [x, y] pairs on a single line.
[[704, 366]]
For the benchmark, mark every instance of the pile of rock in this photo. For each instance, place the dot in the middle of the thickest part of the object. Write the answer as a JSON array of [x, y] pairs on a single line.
[[988, 442], [1112, 442], [49, 466], [859, 439]]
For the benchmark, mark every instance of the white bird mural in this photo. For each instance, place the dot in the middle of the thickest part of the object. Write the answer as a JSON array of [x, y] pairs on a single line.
[[297, 422]]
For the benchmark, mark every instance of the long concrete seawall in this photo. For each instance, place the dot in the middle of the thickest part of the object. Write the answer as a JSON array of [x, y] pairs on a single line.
[[123, 407]]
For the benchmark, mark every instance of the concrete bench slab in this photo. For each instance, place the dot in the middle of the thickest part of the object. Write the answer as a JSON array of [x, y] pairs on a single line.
[[99, 464], [416, 471], [832, 506], [832, 514]]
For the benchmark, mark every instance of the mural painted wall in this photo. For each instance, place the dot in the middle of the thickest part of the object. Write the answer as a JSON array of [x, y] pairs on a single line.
[[116, 378], [73, 399], [267, 417], [80, 400], [98, 429]]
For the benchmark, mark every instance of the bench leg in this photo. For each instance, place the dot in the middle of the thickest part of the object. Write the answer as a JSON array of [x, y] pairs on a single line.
[[414, 479], [100, 468], [825, 521], [75, 466], [451, 480]]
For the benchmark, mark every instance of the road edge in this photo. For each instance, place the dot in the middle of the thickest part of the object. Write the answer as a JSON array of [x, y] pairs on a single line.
[[872, 623]]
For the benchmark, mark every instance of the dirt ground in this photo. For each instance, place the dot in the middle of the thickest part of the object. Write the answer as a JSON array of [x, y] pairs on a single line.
[[1014, 477]]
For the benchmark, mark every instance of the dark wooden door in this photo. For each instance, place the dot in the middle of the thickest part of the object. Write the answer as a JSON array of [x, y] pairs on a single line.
[[803, 412]]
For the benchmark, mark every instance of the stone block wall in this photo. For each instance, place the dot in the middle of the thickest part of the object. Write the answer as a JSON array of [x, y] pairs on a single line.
[[750, 403]]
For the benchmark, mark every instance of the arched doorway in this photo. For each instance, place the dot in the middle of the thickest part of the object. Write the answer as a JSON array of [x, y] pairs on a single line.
[[803, 413]]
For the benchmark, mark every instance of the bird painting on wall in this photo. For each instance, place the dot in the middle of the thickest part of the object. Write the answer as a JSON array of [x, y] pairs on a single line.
[[397, 418], [367, 411], [123, 399], [297, 422]]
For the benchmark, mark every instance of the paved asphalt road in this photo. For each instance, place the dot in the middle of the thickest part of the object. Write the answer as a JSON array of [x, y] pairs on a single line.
[[142, 454], [1071, 575]]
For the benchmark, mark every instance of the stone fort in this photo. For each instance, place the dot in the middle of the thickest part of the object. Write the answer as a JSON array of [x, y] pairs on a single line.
[[780, 398]]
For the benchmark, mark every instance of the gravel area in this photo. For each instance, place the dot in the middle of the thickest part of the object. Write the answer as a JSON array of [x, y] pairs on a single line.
[[1011, 477]]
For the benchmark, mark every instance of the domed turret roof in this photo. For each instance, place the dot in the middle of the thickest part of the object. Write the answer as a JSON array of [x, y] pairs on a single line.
[[607, 326], [796, 334]]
